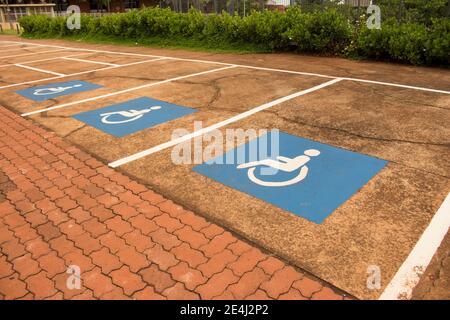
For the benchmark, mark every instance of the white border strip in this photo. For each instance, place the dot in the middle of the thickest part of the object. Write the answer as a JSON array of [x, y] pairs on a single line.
[[245, 66], [12, 45], [408, 276], [91, 61], [40, 60], [218, 125], [31, 53], [125, 91], [79, 73], [39, 70], [16, 49], [398, 85]]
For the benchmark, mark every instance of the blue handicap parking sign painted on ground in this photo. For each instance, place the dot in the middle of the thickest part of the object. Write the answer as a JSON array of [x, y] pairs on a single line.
[[53, 90], [310, 179], [135, 115]]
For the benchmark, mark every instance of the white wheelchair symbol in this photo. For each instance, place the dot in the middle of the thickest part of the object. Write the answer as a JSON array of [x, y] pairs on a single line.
[[49, 91], [129, 115], [284, 164]]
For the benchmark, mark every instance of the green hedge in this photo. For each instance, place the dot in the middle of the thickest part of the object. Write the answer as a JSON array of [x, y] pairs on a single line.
[[325, 32]]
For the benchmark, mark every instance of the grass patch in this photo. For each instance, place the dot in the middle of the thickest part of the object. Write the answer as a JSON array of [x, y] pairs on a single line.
[[166, 43], [8, 32]]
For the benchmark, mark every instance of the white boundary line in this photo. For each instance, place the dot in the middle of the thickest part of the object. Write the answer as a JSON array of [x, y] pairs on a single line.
[[408, 276], [40, 70], [79, 73], [16, 49], [41, 60], [91, 61], [247, 66], [11, 45], [124, 91], [31, 53], [218, 125], [398, 85]]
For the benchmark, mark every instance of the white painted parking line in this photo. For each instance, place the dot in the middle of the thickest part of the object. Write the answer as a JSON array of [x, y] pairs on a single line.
[[15, 49], [91, 61], [148, 85], [408, 276], [41, 60], [79, 73], [256, 68], [218, 125], [398, 85], [39, 70], [31, 53], [11, 45]]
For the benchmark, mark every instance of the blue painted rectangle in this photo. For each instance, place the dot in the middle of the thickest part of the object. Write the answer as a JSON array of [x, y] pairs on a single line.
[[53, 90], [332, 176], [135, 115]]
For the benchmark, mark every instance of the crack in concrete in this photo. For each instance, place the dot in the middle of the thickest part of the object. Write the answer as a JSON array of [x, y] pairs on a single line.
[[300, 122], [404, 100]]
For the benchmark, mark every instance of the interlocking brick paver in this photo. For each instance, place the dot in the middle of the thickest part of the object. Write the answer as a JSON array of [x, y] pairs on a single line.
[[167, 240], [13, 249], [326, 294], [113, 242], [130, 282], [94, 227], [194, 238], [48, 231], [62, 245], [281, 281], [247, 261], [217, 284], [158, 279], [148, 293], [133, 259], [258, 295], [167, 222], [5, 267], [248, 283], [218, 244], [12, 288], [118, 225], [163, 258], [41, 286], [124, 210], [217, 263], [212, 230], [185, 253], [25, 266], [194, 221], [97, 282], [190, 277], [87, 243], [307, 287], [292, 294], [138, 240], [60, 207], [60, 282], [57, 216], [105, 260], [144, 224], [179, 292], [52, 264]]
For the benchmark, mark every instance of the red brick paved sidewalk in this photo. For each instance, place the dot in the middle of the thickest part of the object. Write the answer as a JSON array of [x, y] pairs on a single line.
[[61, 207]]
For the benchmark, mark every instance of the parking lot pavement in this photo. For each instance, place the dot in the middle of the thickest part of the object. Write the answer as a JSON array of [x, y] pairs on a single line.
[[61, 209]]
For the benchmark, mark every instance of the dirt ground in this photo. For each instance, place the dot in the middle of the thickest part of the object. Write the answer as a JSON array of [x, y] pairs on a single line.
[[378, 225]]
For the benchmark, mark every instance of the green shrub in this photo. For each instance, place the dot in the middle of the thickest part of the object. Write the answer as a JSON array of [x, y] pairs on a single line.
[[328, 32], [323, 32]]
